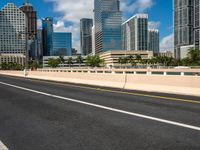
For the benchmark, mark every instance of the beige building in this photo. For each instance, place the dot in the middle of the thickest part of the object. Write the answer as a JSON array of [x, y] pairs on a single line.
[[111, 58], [166, 53], [15, 58]]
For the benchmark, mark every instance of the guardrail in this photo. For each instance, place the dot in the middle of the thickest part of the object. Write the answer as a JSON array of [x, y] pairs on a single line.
[[149, 71]]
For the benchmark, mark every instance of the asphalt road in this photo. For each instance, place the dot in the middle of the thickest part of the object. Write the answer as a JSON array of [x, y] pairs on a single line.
[[40, 115]]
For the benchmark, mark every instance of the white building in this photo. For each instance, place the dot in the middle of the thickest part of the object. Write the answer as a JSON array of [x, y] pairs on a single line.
[[12, 31], [135, 33], [184, 51]]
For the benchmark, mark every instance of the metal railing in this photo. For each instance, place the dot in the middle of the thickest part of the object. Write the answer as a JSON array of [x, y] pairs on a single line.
[[139, 71]]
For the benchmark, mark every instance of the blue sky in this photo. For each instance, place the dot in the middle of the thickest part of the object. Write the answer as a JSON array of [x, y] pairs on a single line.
[[67, 14]]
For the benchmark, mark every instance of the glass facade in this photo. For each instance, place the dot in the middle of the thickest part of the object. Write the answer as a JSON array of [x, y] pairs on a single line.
[[86, 36], [47, 29], [135, 33], [153, 41], [107, 23], [62, 44], [183, 24], [197, 24]]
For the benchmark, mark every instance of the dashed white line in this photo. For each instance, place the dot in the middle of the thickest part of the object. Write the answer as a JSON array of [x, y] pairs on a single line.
[[107, 108], [2, 146]]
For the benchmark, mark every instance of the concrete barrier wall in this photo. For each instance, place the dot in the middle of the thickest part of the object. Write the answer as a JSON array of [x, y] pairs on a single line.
[[187, 85]]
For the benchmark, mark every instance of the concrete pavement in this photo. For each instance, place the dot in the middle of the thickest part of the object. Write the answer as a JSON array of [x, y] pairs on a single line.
[[43, 115]]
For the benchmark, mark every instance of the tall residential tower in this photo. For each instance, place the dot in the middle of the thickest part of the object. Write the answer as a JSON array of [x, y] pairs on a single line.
[[183, 25], [31, 15], [197, 24], [135, 33]]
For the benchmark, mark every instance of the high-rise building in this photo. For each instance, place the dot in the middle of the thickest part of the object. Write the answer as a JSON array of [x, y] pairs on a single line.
[[135, 33], [86, 35], [47, 29], [197, 24], [13, 37], [183, 24], [31, 15], [39, 44], [107, 23], [154, 41], [62, 44]]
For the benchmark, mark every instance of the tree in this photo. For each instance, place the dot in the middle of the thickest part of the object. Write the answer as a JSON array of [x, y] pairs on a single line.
[[34, 64], [62, 60], [70, 61], [79, 60], [53, 62], [94, 61]]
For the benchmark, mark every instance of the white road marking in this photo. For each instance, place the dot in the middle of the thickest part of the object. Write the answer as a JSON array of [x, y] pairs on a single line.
[[107, 108], [2, 146]]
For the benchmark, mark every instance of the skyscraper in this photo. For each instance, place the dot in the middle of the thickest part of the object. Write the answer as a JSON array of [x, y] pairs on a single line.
[[31, 15], [62, 44], [47, 29], [197, 24], [154, 41], [135, 33], [12, 31], [107, 24], [86, 35], [183, 25]]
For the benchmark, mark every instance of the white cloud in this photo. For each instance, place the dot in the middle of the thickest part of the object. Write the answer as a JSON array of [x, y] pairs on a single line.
[[137, 6], [73, 10], [167, 43], [154, 24], [39, 23]]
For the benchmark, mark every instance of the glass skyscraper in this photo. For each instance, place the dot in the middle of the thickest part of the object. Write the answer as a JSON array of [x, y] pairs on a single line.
[[135, 33], [154, 41], [197, 23], [183, 25], [47, 29], [107, 25], [86, 35], [62, 44]]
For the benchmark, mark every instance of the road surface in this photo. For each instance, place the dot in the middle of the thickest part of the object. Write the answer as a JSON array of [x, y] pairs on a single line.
[[42, 115]]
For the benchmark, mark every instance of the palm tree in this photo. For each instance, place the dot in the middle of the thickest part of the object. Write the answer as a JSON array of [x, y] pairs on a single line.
[[62, 60], [131, 60], [53, 62], [79, 60], [120, 60], [70, 61]]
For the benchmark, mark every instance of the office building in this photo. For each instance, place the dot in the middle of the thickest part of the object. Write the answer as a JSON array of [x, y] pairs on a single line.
[[86, 35], [62, 44], [166, 54], [39, 44], [31, 15], [183, 24], [197, 24], [107, 24], [111, 58], [154, 41], [12, 31], [135, 33], [47, 29]]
